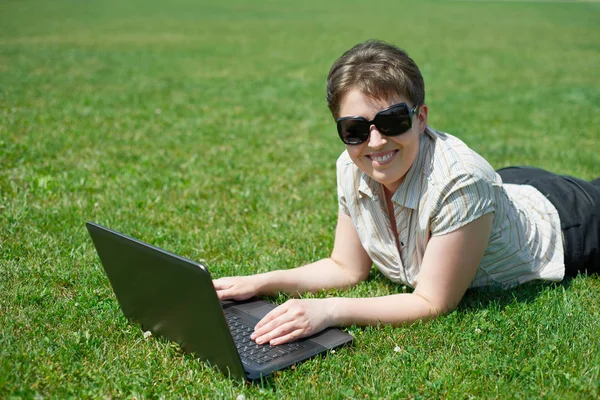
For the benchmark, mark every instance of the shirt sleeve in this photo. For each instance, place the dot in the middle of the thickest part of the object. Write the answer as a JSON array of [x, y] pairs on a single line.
[[343, 205], [462, 200]]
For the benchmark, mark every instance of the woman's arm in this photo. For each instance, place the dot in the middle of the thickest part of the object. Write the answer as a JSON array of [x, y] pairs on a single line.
[[348, 265], [449, 265]]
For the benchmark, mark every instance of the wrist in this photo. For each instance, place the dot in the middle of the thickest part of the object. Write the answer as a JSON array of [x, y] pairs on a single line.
[[264, 283], [334, 308]]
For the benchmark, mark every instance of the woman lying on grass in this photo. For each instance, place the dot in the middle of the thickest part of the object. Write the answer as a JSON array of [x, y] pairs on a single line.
[[423, 207]]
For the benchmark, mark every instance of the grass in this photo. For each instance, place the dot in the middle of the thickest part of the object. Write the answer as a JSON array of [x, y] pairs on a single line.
[[201, 127]]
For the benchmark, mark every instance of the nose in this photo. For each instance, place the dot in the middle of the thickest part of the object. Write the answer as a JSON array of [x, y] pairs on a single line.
[[376, 139]]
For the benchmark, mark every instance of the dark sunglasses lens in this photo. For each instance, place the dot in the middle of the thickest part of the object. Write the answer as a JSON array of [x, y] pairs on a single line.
[[353, 131], [393, 122]]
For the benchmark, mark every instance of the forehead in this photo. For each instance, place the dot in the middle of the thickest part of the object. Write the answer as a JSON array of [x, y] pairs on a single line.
[[356, 103]]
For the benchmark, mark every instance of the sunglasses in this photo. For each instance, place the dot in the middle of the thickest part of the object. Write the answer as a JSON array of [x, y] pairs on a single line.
[[393, 121]]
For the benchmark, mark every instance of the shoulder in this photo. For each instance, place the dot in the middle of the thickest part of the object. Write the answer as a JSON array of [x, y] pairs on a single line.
[[348, 182], [461, 185], [452, 160], [345, 167], [344, 160]]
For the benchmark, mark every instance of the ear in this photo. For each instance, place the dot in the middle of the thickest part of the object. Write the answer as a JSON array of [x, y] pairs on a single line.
[[422, 117]]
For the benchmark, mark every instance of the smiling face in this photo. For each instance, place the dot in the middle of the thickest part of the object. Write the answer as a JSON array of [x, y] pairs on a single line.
[[386, 159]]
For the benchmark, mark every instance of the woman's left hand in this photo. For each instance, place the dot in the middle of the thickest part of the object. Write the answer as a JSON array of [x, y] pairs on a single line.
[[292, 320]]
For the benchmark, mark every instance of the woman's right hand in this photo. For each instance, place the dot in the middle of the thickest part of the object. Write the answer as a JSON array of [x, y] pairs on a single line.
[[237, 287]]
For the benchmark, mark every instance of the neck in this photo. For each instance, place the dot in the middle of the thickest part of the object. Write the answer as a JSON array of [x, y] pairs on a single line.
[[390, 189]]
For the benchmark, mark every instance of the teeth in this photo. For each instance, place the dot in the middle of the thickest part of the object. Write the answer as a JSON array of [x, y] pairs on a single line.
[[384, 158]]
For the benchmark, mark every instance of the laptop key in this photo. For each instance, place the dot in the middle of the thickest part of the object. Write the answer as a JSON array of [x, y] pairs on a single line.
[[248, 349]]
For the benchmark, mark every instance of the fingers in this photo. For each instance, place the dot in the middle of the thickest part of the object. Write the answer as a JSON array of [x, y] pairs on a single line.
[[222, 287], [280, 334], [221, 283], [276, 312], [224, 294], [238, 288], [233, 294], [287, 338], [281, 325]]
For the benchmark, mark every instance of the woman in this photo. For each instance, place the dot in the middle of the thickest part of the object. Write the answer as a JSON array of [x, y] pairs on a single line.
[[428, 211]]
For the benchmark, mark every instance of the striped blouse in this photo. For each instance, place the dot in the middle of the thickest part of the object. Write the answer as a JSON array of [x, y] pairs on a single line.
[[448, 186]]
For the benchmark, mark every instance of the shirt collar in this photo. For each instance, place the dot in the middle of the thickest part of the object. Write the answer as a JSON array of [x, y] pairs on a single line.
[[409, 191], [367, 185]]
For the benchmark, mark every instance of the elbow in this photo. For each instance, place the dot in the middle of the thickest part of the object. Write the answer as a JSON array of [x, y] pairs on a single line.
[[353, 274], [437, 311], [361, 275], [354, 278], [435, 307], [445, 309]]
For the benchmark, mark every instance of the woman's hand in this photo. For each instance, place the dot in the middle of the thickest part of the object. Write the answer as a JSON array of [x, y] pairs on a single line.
[[292, 320], [237, 287]]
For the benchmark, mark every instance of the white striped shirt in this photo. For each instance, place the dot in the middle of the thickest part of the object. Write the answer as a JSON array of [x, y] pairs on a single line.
[[448, 186]]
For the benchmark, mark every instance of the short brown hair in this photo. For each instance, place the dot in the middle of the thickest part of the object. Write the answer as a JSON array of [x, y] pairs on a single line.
[[379, 70]]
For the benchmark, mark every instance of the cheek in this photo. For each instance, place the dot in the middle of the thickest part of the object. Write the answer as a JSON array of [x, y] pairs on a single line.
[[354, 151], [408, 142]]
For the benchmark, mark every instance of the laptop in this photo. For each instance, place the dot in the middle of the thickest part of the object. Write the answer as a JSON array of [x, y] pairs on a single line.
[[174, 297]]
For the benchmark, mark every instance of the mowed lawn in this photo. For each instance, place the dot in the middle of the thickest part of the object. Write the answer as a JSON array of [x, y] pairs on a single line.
[[201, 127]]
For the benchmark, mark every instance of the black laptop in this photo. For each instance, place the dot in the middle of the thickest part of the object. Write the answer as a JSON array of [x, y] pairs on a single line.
[[174, 297]]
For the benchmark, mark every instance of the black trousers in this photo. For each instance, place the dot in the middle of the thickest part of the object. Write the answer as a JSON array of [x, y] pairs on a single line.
[[578, 205]]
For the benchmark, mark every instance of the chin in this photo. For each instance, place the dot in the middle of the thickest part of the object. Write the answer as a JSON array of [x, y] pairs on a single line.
[[384, 180]]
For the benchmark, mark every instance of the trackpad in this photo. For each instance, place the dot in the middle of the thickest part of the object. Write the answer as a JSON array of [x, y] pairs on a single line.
[[261, 311], [256, 308]]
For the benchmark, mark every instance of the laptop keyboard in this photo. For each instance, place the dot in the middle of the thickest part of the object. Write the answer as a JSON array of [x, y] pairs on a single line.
[[248, 349]]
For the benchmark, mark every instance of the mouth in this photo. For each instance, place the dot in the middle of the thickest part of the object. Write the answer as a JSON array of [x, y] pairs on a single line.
[[382, 158]]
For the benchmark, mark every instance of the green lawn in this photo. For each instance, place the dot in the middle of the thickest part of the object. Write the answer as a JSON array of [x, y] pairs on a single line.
[[201, 127]]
